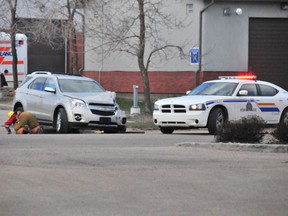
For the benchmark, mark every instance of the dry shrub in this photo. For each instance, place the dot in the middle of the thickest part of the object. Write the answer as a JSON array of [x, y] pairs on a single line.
[[247, 130]]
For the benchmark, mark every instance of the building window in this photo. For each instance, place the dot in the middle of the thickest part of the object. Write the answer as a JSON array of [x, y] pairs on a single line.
[[189, 8]]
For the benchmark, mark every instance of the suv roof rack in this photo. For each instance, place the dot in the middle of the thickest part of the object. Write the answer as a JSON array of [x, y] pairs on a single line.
[[42, 72]]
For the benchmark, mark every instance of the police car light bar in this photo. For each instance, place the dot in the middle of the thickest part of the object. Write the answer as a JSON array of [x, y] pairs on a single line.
[[246, 77]]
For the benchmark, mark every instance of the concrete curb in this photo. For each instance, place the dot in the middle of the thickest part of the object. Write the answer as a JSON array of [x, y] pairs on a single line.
[[276, 148]]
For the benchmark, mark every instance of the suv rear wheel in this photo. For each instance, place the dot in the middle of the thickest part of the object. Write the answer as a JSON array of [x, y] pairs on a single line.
[[61, 121]]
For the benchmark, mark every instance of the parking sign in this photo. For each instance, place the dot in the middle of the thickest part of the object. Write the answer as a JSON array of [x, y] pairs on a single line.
[[194, 56]]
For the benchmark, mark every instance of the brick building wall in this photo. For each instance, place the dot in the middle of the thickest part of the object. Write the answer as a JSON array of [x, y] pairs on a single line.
[[160, 82]]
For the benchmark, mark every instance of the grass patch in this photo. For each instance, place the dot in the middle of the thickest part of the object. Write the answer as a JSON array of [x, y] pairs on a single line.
[[125, 104], [141, 121]]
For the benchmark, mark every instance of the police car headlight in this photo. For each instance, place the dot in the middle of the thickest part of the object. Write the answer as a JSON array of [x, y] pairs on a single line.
[[78, 103], [197, 107], [156, 107]]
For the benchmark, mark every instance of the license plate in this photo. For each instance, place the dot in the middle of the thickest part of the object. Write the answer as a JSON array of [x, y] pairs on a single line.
[[105, 120]]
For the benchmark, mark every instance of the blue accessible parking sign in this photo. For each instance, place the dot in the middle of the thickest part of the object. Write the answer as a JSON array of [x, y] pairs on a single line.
[[194, 56]]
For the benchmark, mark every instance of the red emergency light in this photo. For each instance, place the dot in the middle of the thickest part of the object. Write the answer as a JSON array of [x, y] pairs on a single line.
[[247, 77], [21, 42]]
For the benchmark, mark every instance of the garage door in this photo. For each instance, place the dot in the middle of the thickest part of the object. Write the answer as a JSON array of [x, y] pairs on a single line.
[[41, 56], [268, 49]]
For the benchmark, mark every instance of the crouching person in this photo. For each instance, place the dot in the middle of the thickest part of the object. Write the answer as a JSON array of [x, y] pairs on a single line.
[[23, 122]]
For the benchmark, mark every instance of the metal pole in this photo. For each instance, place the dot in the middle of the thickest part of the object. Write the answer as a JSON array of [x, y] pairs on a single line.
[[135, 109], [135, 96]]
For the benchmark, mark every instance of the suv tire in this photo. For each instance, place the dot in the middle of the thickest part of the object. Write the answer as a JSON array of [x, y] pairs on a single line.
[[61, 121]]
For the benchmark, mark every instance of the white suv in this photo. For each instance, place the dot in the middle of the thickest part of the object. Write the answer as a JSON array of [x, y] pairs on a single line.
[[69, 102]]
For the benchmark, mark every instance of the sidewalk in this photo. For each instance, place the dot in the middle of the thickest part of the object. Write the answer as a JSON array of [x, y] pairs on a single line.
[[5, 104]]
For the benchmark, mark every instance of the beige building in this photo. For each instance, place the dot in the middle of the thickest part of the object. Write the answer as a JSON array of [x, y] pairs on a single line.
[[233, 37]]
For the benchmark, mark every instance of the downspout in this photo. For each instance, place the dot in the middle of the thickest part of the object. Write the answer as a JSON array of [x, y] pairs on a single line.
[[83, 47], [200, 42], [83, 41]]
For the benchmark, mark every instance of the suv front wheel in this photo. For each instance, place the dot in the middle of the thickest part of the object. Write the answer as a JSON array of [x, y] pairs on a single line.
[[61, 121]]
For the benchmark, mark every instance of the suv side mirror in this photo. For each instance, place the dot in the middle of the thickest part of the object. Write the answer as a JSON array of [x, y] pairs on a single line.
[[49, 89]]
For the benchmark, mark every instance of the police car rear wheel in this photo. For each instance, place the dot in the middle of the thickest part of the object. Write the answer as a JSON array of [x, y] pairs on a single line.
[[216, 120], [284, 117]]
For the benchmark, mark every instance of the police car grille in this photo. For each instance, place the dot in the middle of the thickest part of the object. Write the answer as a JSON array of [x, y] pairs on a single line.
[[173, 108]]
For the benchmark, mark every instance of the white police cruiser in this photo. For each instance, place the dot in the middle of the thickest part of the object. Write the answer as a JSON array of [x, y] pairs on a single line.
[[213, 102]]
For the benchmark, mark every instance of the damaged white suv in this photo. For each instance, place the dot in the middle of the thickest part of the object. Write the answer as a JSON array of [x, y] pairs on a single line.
[[69, 102]]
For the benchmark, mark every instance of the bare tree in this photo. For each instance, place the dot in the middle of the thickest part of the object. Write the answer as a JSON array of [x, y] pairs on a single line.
[[11, 7], [72, 34], [134, 27], [13, 31]]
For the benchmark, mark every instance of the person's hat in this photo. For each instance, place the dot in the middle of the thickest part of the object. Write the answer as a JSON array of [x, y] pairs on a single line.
[[10, 113]]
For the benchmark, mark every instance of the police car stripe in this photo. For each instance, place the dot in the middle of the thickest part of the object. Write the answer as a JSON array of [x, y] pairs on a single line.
[[234, 101], [229, 101], [269, 109], [264, 107]]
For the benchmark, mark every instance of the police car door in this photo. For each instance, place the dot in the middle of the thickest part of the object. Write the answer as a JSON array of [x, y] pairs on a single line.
[[247, 104], [268, 103]]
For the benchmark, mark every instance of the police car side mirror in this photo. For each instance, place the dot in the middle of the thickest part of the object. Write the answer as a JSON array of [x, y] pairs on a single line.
[[187, 92], [49, 89], [243, 93]]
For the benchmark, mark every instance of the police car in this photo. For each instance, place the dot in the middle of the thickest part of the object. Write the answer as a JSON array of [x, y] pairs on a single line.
[[214, 102]]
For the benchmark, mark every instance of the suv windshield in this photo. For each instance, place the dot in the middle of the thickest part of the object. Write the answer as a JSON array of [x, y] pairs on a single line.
[[215, 88], [70, 85]]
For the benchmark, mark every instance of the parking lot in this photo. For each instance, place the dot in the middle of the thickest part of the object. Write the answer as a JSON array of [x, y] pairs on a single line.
[[137, 174]]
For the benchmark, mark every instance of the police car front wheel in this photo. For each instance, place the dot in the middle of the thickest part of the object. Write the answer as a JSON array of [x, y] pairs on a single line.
[[166, 130], [216, 120]]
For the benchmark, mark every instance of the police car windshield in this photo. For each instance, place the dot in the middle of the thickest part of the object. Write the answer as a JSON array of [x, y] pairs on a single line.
[[215, 88], [79, 86]]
